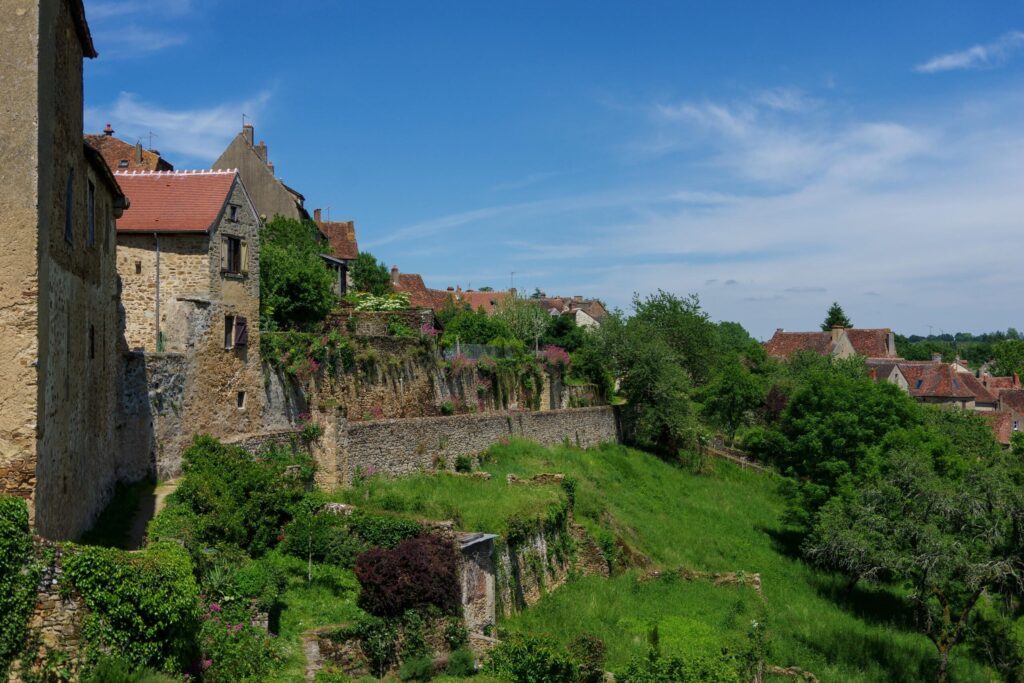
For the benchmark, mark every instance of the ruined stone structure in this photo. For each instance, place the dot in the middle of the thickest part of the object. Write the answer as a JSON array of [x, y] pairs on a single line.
[[188, 257], [270, 196], [59, 323]]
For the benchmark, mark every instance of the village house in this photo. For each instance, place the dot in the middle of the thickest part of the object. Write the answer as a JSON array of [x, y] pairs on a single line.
[[188, 258], [341, 237], [124, 156], [60, 336], [269, 194], [839, 342]]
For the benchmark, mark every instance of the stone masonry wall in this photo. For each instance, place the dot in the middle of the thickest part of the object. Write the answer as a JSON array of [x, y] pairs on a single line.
[[405, 446]]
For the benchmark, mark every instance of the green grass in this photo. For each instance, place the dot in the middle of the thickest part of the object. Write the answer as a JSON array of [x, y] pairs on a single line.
[[727, 520]]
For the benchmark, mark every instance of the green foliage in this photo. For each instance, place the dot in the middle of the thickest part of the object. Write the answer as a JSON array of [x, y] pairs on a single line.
[[144, 606], [461, 663], [447, 408], [297, 289], [591, 365], [378, 639], [463, 463], [398, 328], [17, 579], [472, 327], [532, 659], [835, 318], [303, 354], [658, 668], [386, 301], [588, 651], [526, 320], [236, 651], [113, 669], [416, 669], [730, 399], [1009, 357], [563, 332], [370, 275], [237, 498]]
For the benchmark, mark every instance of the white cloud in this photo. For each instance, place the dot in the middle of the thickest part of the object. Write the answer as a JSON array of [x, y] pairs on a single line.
[[130, 29], [977, 57], [199, 134]]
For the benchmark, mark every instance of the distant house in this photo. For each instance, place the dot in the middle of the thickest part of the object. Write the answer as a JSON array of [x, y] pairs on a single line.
[[341, 236], [420, 296], [839, 342], [269, 194], [188, 257], [124, 156]]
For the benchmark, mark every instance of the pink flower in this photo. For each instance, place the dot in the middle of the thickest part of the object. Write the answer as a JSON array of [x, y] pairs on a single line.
[[427, 330], [214, 607], [207, 663]]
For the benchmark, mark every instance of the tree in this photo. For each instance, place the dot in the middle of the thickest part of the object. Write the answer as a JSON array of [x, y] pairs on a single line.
[[1008, 356], [524, 318], [296, 287], [732, 396], [835, 318], [684, 327], [945, 524], [473, 327], [562, 331], [370, 275]]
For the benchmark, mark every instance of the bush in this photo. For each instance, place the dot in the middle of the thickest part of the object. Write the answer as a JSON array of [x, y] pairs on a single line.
[[378, 640], [463, 463], [416, 669], [419, 572], [17, 586], [235, 651], [528, 659], [461, 663], [370, 275], [447, 408], [261, 582], [116, 670], [144, 606], [297, 289], [656, 668], [588, 650]]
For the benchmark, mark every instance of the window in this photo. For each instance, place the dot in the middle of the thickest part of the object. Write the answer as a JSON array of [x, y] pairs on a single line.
[[138, 267], [1016, 425], [69, 203], [236, 331], [123, 163], [233, 257], [233, 213], [92, 342], [90, 237], [240, 400]]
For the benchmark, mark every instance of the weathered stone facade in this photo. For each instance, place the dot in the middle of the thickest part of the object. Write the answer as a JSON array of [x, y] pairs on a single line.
[[405, 446], [59, 324], [196, 383], [271, 196]]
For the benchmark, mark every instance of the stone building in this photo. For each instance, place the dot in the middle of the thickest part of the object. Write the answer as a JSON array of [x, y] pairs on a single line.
[[838, 342], [59, 322], [341, 237], [121, 155], [188, 258], [269, 194]]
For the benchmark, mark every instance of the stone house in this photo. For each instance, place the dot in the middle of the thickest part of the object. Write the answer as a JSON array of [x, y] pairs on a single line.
[[188, 258], [269, 194], [124, 156], [59, 325], [341, 237], [838, 342]]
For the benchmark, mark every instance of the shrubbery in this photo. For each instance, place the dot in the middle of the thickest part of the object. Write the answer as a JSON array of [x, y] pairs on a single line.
[[17, 580], [233, 649], [297, 289], [658, 668], [418, 573], [530, 659]]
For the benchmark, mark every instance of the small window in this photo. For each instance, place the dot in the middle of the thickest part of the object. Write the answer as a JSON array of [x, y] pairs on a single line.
[[229, 332], [92, 342], [138, 267], [1016, 425], [240, 400], [69, 203], [234, 255], [91, 234], [123, 163], [233, 213], [919, 383], [236, 331]]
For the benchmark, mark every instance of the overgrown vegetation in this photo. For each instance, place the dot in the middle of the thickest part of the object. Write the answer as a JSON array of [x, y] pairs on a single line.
[[370, 275], [297, 289], [18, 579]]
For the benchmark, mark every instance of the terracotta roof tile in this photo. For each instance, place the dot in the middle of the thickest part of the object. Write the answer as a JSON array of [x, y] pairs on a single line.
[[341, 235], [175, 201], [1001, 422], [1012, 399], [120, 155], [935, 380], [869, 342], [784, 344]]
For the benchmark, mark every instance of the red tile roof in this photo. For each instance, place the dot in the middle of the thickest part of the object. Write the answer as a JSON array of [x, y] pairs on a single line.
[[981, 394], [784, 344], [176, 201], [1012, 399], [1001, 422], [936, 380], [341, 235], [869, 342], [488, 301], [120, 155], [420, 296]]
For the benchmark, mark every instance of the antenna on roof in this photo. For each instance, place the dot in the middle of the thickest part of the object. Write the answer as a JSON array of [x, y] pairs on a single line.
[[512, 280], [151, 136], [243, 119]]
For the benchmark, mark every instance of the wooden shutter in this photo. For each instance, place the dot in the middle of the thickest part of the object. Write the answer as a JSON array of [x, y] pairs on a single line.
[[244, 250], [241, 331], [224, 246]]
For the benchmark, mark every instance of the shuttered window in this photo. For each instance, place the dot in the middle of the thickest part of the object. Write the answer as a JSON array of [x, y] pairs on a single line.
[[241, 331]]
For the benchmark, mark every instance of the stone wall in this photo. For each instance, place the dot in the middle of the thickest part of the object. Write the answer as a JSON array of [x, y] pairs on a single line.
[[151, 432], [404, 446], [530, 568], [375, 323]]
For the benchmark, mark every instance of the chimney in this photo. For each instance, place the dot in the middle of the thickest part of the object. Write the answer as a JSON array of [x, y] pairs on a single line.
[[261, 151], [108, 131], [451, 289], [577, 299], [936, 357], [138, 152], [837, 332], [316, 217], [394, 270], [270, 165], [512, 291], [247, 131], [778, 330]]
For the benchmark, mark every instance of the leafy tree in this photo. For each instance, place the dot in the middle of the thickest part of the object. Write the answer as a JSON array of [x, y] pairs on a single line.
[[835, 318], [370, 275], [732, 396], [562, 331], [473, 327], [946, 524], [296, 287], [684, 327], [524, 318], [1008, 356], [486, 289]]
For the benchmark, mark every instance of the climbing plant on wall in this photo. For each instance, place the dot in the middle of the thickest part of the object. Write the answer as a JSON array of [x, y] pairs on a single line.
[[17, 579]]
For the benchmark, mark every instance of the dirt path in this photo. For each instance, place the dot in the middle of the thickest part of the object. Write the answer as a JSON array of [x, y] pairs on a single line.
[[148, 508]]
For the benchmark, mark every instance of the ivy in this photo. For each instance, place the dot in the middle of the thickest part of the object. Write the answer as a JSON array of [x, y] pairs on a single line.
[[18, 577], [303, 354], [144, 606]]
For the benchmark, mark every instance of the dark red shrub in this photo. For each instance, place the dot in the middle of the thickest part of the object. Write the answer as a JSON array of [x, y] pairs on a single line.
[[419, 572]]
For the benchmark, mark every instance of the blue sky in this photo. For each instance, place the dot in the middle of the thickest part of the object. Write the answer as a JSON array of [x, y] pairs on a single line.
[[771, 157]]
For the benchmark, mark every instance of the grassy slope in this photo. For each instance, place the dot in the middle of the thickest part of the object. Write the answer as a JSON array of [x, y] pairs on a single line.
[[725, 521]]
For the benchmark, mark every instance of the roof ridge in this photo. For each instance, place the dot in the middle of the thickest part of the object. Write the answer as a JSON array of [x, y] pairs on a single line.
[[183, 172]]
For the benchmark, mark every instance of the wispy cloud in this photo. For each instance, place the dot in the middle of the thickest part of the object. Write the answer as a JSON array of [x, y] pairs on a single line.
[[131, 29], [167, 8], [988, 55], [520, 183], [199, 134]]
